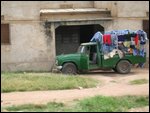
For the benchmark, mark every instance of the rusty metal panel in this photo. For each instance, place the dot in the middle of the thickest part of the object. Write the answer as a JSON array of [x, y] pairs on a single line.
[[5, 34], [146, 27]]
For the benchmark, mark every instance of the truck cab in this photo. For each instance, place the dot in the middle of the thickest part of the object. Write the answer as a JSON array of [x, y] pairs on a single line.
[[90, 56]]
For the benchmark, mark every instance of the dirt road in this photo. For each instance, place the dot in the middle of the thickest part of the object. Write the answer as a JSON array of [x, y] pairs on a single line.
[[112, 84]]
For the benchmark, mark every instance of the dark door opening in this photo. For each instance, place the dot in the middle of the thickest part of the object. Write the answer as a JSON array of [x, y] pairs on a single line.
[[87, 32], [68, 38], [146, 27]]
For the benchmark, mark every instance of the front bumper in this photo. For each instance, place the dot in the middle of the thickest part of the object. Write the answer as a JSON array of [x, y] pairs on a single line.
[[57, 69]]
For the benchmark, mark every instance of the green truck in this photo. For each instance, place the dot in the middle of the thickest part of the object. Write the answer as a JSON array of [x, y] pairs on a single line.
[[90, 57]]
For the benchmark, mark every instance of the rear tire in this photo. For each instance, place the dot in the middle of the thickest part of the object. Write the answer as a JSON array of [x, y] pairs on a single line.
[[69, 68], [123, 67]]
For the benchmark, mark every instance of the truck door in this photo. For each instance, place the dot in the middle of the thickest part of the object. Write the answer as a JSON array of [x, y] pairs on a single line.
[[93, 57], [84, 61]]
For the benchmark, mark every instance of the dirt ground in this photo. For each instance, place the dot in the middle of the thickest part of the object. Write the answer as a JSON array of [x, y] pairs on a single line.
[[111, 84]]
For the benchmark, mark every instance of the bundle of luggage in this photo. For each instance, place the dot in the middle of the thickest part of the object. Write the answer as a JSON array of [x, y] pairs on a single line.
[[121, 42]]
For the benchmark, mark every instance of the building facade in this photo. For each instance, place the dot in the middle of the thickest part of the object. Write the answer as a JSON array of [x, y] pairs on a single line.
[[34, 32]]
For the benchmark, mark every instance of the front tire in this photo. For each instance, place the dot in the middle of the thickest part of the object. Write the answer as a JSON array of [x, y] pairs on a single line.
[[123, 67], [69, 68]]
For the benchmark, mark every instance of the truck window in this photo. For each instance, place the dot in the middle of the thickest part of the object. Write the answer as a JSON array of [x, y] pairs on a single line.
[[81, 49], [84, 49]]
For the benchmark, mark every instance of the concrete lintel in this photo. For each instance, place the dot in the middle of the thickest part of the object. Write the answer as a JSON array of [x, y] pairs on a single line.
[[74, 15], [83, 22], [58, 11], [77, 20]]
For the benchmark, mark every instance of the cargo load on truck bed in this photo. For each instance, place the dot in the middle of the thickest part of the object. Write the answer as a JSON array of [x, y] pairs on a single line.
[[121, 42]]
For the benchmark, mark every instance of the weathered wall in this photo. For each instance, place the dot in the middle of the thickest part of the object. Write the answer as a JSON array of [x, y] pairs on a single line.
[[133, 8], [33, 44], [118, 24], [28, 47], [109, 5], [20, 10], [66, 4], [125, 8]]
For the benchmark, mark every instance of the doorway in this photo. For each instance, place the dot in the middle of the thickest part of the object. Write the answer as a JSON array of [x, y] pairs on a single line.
[[68, 38]]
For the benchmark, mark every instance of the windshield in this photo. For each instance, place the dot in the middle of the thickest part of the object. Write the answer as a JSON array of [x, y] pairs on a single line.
[[82, 49]]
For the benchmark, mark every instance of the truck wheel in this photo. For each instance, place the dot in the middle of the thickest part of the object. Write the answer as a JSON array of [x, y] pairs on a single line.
[[123, 67], [69, 68]]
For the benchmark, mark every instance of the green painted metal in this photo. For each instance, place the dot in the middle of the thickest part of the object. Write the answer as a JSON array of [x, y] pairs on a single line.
[[74, 58], [112, 62], [89, 44], [81, 60]]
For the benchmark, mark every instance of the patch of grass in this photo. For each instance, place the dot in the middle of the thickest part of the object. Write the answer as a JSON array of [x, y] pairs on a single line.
[[112, 104], [138, 81], [51, 106], [92, 104], [42, 81]]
